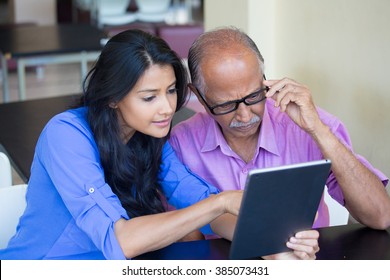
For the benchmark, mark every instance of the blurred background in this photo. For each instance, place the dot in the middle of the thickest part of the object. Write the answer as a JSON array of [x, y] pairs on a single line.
[[339, 48]]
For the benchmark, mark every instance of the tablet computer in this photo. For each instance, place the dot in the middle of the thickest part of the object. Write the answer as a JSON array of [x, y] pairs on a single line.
[[277, 202]]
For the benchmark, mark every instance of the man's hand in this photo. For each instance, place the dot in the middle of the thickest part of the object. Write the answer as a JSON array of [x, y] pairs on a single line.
[[296, 100], [304, 245]]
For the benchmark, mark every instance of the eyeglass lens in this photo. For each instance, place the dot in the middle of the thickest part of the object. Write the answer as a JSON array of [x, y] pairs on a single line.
[[231, 106]]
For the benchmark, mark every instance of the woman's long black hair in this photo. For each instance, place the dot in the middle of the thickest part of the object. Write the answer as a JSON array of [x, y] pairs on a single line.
[[131, 170]]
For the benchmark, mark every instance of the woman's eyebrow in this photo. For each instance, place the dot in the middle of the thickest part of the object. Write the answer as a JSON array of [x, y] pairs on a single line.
[[146, 90], [173, 83], [154, 90]]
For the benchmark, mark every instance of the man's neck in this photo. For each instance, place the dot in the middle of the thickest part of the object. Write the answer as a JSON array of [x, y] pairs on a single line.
[[244, 147]]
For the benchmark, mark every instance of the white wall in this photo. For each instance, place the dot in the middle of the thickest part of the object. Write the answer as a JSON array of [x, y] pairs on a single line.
[[225, 12], [41, 12], [339, 48]]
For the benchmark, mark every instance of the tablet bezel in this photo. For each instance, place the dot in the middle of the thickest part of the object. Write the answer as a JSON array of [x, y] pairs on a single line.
[[277, 202]]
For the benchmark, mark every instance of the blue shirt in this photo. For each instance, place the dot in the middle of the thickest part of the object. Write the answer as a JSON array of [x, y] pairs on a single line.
[[71, 210]]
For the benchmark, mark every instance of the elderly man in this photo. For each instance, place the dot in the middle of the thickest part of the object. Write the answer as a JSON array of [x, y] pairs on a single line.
[[251, 122]]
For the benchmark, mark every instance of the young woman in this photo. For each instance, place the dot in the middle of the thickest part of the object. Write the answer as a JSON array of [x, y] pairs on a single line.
[[103, 173]]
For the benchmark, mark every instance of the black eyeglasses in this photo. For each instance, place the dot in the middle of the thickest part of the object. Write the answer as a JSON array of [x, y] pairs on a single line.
[[230, 106]]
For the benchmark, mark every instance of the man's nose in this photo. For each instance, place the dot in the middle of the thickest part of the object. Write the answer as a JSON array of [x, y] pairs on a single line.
[[243, 113]]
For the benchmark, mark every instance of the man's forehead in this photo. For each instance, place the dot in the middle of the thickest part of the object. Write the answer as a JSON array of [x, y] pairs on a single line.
[[221, 51]]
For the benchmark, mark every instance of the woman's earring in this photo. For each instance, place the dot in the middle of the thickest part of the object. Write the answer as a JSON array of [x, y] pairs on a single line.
[[113, 105]]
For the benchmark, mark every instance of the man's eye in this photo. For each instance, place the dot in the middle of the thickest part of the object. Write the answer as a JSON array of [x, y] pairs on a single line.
[[254, 96], [226, 106]]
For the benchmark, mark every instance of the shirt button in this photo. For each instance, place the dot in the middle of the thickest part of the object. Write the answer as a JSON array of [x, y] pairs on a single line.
[[245, 171], [91, 190]]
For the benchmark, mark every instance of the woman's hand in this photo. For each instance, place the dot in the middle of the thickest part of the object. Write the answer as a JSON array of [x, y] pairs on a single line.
[[231, 201], [304, 245], [225, 224], [192, 236]]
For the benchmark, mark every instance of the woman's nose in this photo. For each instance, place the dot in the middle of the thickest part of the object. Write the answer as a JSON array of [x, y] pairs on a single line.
[[167, 107]]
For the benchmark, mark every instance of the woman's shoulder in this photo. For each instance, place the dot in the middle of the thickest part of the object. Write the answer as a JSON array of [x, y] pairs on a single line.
[[73, 117], [67, 129], [68, 122]]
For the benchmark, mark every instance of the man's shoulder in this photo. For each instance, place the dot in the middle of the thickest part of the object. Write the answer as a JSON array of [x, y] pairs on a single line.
[[276, 116], [191, 132]]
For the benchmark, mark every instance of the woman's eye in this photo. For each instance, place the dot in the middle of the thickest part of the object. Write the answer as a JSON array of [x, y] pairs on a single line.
[[172, 90], [149, 98]]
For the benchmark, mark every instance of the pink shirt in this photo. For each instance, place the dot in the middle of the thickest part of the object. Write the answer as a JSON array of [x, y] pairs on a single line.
[[200, 145]]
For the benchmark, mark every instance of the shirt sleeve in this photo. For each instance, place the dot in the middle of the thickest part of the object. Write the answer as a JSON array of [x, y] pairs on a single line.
[[180, 185], [333, 187], [69, 153]]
